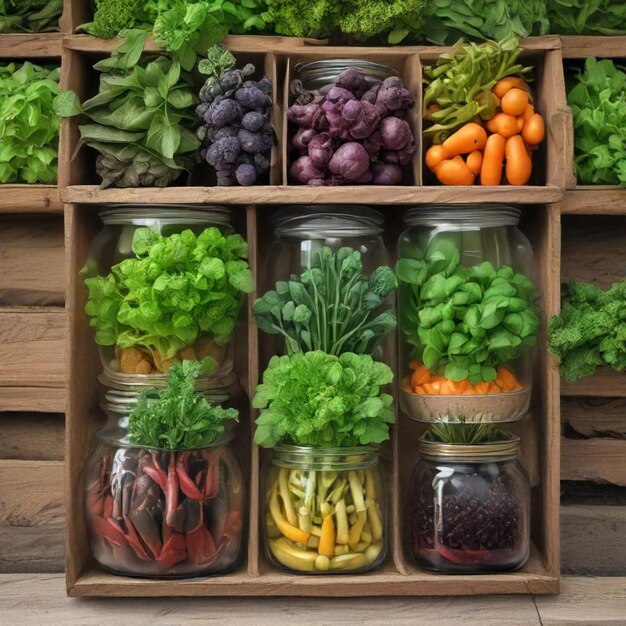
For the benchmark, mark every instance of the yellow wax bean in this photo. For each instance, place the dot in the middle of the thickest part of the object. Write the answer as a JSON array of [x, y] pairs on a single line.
[[291, 556]]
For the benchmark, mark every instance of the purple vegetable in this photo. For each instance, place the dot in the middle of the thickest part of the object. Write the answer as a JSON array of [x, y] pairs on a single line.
[[373, 144], [395, 133], [223, 151], [339, 95], [305, 116], [302, 138], [253, 121], [303, 170], [362, 118], [399, 156], [350, 161], [386, 174], [265, 85], [227, 131], [317, 182], [223, 113], [371, 94], [245, 174], [252, 98], [250, 142], [321, 149], [261, 163], [367, 177], [353, 81]]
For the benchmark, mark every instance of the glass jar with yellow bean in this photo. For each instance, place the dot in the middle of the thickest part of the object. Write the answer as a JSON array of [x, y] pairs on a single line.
[[325, 510]]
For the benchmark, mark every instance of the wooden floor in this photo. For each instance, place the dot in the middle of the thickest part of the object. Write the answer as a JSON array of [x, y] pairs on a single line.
[[40, 598]]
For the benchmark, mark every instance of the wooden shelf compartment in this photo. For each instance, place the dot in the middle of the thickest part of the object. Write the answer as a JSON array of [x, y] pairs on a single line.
[[583, 46], [595, 200]]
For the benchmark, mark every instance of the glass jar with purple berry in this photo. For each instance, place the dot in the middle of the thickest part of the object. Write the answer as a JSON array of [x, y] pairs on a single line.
[[469, 508]]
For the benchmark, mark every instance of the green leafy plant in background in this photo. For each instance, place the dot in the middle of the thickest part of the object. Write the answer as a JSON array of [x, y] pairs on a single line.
[[590, 330], [598, 102], [464, 322], [318, 399], [448, 20], [460, 83], [465, 434], [29, 127], [331, 306], [587, 17], [34, 16], [142, 121], [174, 290], [177, 418]]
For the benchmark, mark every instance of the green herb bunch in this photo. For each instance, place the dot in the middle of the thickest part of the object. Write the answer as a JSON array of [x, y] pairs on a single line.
[[142, 121], [29, 127], [590, 330], [318, 399], [460, 82], [598, 102], [446, 21], [35, 16], [331, 306], [464, 322], [587, 17], [177, 418], [465, 434], [175, 290]]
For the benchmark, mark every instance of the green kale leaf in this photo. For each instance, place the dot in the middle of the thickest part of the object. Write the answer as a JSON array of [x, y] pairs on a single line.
[[587, 17], [318, 399]]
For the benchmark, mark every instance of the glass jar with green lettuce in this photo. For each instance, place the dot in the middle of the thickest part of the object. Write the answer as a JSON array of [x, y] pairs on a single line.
[[165, 284], [467, 312]]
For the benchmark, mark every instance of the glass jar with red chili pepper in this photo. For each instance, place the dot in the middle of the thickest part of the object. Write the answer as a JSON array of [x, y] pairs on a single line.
[[469, 509], [158, 511]]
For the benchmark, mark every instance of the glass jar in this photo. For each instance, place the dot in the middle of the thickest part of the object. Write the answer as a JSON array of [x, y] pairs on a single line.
[[112, 246], [325, 510], [470, 507], [162, 513], [467, 314]]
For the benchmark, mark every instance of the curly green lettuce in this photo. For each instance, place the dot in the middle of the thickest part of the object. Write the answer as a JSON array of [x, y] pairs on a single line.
[[317, 399]]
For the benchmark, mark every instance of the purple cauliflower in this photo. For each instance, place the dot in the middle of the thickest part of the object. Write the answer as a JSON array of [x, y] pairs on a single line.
[[371, 94], [373, 144], [261, 163], [354, 81], [303, 170], [399, 156], [253, 121], [251, 142], [245, 174], [265, 85], [305, 116], [302, 137], [350, 161], [362, 118], [223, 152], [321, 149], [223, 113], [394, 96], [252, 98], [386, 174], [395, 133]]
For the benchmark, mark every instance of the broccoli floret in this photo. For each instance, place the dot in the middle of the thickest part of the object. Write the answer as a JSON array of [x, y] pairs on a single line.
[[112, 16], [303, 18], [366, 18]]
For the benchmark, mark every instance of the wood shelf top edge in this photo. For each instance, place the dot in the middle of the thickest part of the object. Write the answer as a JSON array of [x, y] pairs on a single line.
[[605, 383], [92, 194], [583, 46], [30, 199], [31, 45], [595, 200]]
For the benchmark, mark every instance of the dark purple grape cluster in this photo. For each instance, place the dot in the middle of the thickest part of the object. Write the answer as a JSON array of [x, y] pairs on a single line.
[[236, 132]]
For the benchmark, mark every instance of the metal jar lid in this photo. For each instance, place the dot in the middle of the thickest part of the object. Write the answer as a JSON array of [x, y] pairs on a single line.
[[327, 220], [134, 383], [463, 216], [318, 74], [506, 449], [145, 215]]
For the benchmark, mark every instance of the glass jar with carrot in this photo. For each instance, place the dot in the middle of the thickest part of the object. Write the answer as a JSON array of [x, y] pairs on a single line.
[[467, 314]]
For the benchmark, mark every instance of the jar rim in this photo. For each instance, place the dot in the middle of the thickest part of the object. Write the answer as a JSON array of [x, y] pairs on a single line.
[[120, 381], [319, 458], [327, 220], [459, 215], [123, 442], [501, 450], [124, 214], [317, 74]]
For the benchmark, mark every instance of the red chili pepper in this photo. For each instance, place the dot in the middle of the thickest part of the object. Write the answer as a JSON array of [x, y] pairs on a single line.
[[212, 481], [187, 486], [174, 550], [171, 492], [135, 541]]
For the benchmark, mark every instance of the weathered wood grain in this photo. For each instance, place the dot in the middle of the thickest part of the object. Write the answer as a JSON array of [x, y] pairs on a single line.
[[30, 198], [32, 436], [599, 459], [30, 45], [594, 417], [606, 382], [595, 200], [583, 46], [31, 516], [43, 399], [32, 261], [592, 540]]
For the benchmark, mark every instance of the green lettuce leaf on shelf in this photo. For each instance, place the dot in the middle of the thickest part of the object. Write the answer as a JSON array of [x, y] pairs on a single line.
[[587, 17], [35, 16]]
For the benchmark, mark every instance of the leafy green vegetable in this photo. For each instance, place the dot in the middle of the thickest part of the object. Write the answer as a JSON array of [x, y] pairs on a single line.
[[465, 434], [29, 126], [587, 17], [142, 118], [448, 20], [331, 306], [360, 19], [598, 102], [464, 322], [113, 16], [461, 81], [34, 16], [590, 330], [176, 418], [175, 290], [318, 399]]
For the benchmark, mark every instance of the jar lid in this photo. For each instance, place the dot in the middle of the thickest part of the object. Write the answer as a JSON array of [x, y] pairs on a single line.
[[322, 459], [459, 215], [141, 214], [317, 74], [134, 383], [506, 449], [327, 220]]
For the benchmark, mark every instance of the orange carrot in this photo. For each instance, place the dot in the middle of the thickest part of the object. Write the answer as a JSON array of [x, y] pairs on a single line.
[[474, 161], [491, 170], [454, 172], [529, 112], [503, 124], [518, 163], [468, 138], [434, 155], [506, 84], [514, 102], [534, 130]]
